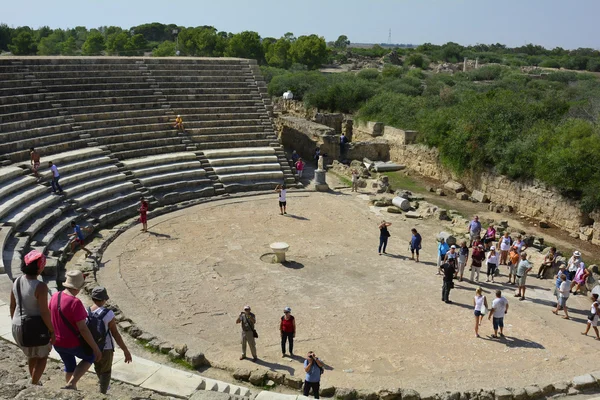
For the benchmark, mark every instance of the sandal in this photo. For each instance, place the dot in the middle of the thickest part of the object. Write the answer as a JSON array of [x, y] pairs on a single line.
[[565, 317]]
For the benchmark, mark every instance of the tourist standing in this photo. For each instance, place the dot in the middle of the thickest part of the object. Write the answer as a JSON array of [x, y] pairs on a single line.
[[489, 237], [519, 244], [143, 214], [29, 310], [247, 319], [562, 270], [443, 248], [78, 238], [474, 230], [295, 157], [343, 141], [98, 311], [504, 244], [476, 262], [384, 235], [480, 303], [55, 177], [463, 258], [573, 264], [282, 190], [498, 311], [513, 263], [449, 270], [355, 176], [581, 276], [548, 263], [313, 367], [492, 264], [593, 317], [563, 296], [451, 256], [69, 320], [299, 167], [34, 157], [522, 270], [415, 244], [287, 327]]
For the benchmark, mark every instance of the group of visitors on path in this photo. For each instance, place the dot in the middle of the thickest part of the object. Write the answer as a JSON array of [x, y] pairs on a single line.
[[76, 333]]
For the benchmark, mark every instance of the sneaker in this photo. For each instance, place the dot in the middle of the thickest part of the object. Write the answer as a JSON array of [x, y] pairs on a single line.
[[242, 357], [254, 358], [283, 355]]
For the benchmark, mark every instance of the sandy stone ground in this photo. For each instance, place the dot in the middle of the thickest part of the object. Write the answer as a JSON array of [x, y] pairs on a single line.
[[376, 321]]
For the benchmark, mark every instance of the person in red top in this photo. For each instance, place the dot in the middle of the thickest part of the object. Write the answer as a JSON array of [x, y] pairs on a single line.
[[143, 214], [288, 330], [68, 319], [299, 167]]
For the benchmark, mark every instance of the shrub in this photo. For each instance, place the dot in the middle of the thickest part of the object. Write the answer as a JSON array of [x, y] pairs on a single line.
[[340, 93], [369, 74], [299, 83], [391, 71]]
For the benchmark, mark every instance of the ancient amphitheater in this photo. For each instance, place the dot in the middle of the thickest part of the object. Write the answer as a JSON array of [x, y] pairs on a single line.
[[107, 123]]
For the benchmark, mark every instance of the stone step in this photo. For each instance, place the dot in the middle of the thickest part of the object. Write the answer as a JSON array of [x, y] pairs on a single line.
[[20, 214], [95, 182], [88, 173], [250, 176], [110, 216], [252, 185], [5, 233], [15, 185], [35, 223], [12, 256], [174, 195], [229, 137], [186, 175], [238, 152], [243, 160], [19, 198], [136, 153], [242, 168], [9, 173], [127, 195], [161, 159], [100, 193], [232, 144], [59, 226]]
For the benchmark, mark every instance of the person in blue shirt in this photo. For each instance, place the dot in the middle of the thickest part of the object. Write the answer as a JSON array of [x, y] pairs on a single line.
[[443, 248], [415, 244], [313, 368], [78, 238], [474, 230]]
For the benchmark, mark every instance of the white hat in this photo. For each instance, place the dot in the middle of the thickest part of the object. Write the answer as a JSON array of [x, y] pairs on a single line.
[[75, 280], [178, 116], [247, 308], [287, 309], [453, 247], [493, 248], [577, 253]]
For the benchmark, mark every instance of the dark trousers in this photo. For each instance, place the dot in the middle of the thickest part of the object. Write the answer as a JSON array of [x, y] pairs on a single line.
[[315, 388], [55, 185], [491, 270], [382, 243], [446, 290], [289, 336]]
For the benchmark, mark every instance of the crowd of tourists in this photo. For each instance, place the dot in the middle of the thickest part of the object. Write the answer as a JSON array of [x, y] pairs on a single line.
[[80, 337]]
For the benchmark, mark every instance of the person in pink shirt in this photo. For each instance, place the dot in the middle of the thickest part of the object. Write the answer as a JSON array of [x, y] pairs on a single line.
[[69, 322], [299, 167]]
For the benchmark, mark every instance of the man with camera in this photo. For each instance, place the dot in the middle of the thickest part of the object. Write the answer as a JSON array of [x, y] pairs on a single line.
[[313, 368], [248, 319]]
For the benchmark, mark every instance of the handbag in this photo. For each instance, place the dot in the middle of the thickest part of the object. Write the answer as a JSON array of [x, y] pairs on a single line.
[[87, 349], [35, 332], [254, 333]]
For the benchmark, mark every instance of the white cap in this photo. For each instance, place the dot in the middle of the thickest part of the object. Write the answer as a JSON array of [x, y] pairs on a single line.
[[577, 253], [178, 116], [287, 309], [453, 247], [493, 248], [247, 308]]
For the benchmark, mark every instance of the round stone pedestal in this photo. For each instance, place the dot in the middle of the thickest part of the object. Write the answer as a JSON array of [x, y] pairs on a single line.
[[280, 248]]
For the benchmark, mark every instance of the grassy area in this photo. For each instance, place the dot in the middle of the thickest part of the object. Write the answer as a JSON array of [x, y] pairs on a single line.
[[399, 180], [344, 179]]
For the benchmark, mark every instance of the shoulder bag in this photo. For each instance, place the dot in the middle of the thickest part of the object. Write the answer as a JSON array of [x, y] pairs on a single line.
[[254, 333], [35, 331], [87, 349]]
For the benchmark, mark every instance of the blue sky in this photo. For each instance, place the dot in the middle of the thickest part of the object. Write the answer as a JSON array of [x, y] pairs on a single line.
[[551, 23]]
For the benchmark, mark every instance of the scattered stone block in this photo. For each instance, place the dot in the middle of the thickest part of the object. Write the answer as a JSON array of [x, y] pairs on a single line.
[[125, 325], [429, 189], [195, 358], [544, 224], [270, 384], [345, 394], [486, 395], [165, 347], [450, 396], [401, 203], [364, 394], [180, 348], [480, 196], [146, 337], [440, 192], [275, 376], [586, 381], [241, 374], [410, 394], [135, 332], [450, 239], [547, 389], [462, 196], [390, 394], [519, 394], [294, 382], [412, 214], [394, 210], [503, 394], [454, 186], [573, 392], [154, 344], [533, 391], [174, 354], [561, 387], [327, 391]]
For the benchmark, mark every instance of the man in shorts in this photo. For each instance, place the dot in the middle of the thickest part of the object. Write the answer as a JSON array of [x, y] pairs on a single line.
[[476, 261], [513, 263], [35, 161], [498, 311], [78, 238], [281, 189], [522, 270], [474, 230], [563, 296]]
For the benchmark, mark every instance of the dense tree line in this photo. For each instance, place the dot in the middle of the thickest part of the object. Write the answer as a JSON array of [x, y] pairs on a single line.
[[539, 125]]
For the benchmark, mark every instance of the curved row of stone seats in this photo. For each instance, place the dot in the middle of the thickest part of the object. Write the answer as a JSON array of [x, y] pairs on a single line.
[[251, 168], [172, 177]]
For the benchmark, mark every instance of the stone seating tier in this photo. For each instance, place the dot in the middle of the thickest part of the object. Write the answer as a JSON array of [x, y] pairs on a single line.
[[123, 71]]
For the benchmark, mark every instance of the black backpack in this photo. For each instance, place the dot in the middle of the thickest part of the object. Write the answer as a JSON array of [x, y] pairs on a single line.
[[95, 323]]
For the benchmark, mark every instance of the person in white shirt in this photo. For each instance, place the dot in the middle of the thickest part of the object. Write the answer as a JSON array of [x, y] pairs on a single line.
[[55, 177], [492, 263], [498, 311], [281, 189], [504, 244], [593, 317], [563, 296], [480, 303], [573, 264]]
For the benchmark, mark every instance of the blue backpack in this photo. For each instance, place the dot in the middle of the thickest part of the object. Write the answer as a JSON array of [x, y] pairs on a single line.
[[95, 323]]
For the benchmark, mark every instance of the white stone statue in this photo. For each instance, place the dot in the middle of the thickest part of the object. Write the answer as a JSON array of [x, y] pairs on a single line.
[[320, 163]]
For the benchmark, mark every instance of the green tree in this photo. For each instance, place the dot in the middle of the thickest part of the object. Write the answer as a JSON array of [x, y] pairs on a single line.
[[309, 50], [116, 43], [52, 44], [23, 44], [342, 42], [416, 60], [277, 54], [68, 47], [5, 35], [245, 45], [165, 49], [93, 45], [136, 45]]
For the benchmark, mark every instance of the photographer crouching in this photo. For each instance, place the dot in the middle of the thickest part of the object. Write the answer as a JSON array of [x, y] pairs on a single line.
[[313, 368]]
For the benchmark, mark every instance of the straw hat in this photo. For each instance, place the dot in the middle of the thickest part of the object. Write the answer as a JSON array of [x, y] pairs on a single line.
[[75, 280]]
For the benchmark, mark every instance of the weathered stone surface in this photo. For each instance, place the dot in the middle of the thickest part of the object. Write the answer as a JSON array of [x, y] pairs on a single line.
[[180, 348], [462, 196], [345, 394], [154, 344], [533, 391], [146, 337], [547, 389], [241, 374], [449, 238], [390, 394], [486, 395], [503, 394], [544, 224], [327, 391], [135, 332], [173, 354], [210, 395], [402, 203], [519, 394], [293, 382], [394, 210], [270, 383], [165, 347], [479, 196], [125, 325], [258, 377], [275, 376], [410, 394], [412, 214], [586, 381], [440, 192], [573, 392], [454, 186], [195, 358], [450, 396], [364, 394], [561, 387]]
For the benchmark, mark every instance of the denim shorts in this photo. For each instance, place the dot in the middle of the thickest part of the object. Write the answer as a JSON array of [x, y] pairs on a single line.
[[498, 323], [68, 357], [477, 313]]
